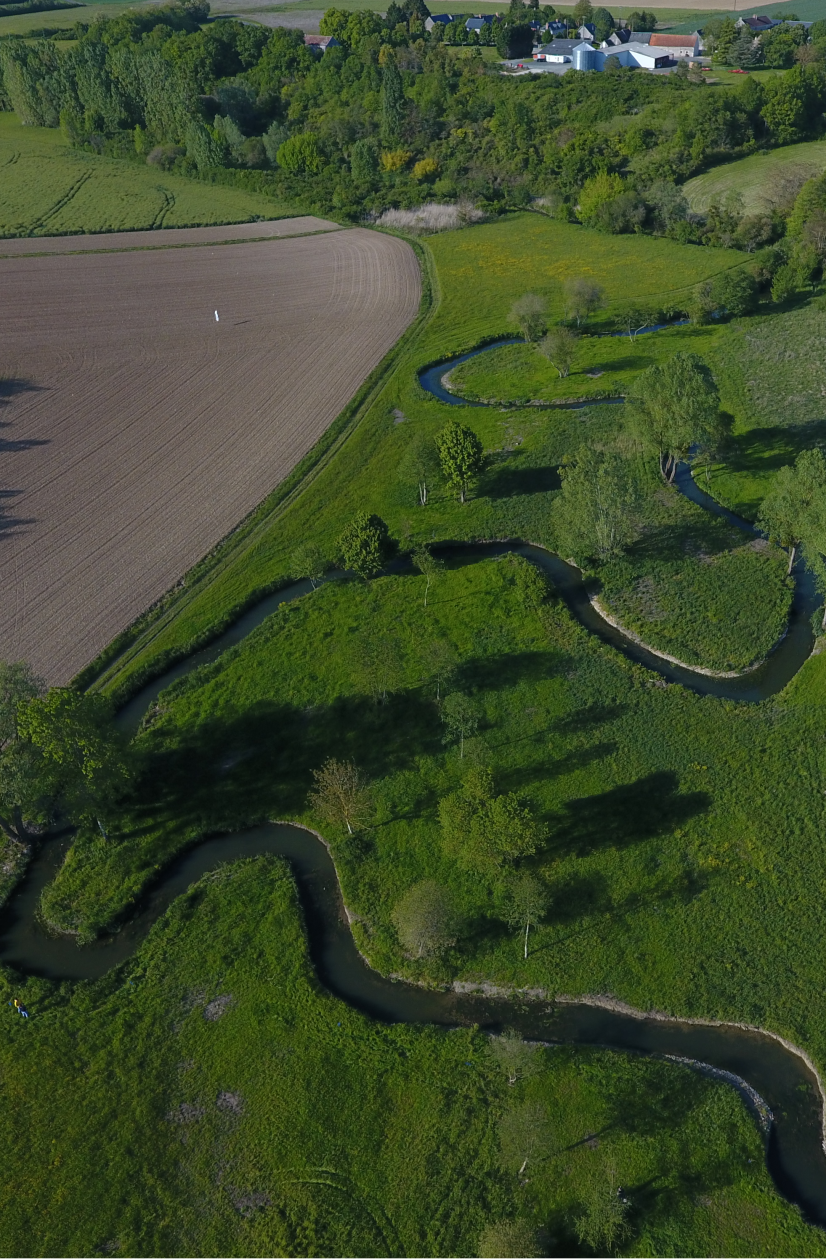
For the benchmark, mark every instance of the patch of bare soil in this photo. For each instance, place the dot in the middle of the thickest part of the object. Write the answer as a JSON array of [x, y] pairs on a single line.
[[136, 430], [164, 238]]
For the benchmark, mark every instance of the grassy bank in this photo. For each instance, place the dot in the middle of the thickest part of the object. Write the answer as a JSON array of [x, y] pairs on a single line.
[[754, 177], [235, 1109], [50, 189], [697, 588]]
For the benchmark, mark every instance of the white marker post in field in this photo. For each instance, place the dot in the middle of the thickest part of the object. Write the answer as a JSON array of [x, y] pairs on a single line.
[[217, 320]]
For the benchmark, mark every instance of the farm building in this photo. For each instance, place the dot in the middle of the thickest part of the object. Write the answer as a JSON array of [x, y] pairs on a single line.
[[636, 54], [576, 54], [678, 46], [587, 31]]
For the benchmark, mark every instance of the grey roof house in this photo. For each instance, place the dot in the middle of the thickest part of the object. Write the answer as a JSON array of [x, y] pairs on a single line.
[[437, 19]]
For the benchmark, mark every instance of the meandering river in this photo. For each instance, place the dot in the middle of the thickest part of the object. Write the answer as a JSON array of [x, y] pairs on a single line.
[[755, 1062]]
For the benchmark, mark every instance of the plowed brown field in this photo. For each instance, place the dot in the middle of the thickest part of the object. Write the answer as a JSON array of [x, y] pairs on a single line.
[[136, 431]]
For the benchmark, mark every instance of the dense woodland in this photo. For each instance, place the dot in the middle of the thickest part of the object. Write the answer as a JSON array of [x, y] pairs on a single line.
[[394, 117]]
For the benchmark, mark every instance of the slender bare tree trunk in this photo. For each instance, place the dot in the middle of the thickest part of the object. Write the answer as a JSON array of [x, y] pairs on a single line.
[[792, 554], [527, 929], [524, 1166]]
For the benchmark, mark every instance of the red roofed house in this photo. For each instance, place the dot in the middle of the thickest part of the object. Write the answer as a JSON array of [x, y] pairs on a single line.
[[678, 46]]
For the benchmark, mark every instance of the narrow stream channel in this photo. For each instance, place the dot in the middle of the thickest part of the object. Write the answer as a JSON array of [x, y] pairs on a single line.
[[781, 1078]]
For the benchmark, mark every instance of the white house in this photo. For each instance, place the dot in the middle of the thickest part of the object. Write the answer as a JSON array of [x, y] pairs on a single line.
[[560, 51]]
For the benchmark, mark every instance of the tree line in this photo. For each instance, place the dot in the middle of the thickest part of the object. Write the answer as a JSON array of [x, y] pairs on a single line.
[[393, 117]]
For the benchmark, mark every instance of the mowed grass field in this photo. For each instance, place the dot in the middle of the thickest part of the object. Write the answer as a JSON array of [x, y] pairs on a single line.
[[48, 189], [139, 431], [755, 177]]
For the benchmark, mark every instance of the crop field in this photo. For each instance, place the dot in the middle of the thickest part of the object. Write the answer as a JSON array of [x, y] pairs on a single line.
[[138, 431], [754, 177], [48, 189]]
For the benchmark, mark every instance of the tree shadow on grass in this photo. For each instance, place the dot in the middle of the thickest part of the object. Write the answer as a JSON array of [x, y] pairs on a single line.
[[626, 815], [593, 715], [507, 669], [771, 448], [504, 481], [235, 768]]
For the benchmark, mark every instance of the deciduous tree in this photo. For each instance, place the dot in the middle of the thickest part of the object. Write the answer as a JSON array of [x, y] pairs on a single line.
[[439, 663], [341, 796], [527, 904], [794, 510], [603, 1223], [583, 297], [673, 405], [559, 346], [83, 751], [516, 1057], [485, 831], [426, 920], [365, 545], [524, 1134], [419, 466], [308, 561], [460, 452], [460, 715], [528, 313], [595, 514], [428, 565]]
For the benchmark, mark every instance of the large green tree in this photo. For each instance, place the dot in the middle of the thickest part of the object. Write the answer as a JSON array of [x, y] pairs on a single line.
[[82, 751], [365, 545], [460, 453], [794, 510], [673, 406], [595, 514], [486, 831]]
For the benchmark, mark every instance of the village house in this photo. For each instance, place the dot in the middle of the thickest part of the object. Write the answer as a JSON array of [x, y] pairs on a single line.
[[478, 23], [437, 19], [320, 43]]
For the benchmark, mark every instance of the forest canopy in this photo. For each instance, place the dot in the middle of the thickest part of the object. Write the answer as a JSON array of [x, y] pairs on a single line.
[[392, 116]]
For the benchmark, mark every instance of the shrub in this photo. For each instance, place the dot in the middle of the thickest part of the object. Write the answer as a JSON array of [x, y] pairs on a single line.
[[300, 155], [395, 159], [427, 166], [432, 217]]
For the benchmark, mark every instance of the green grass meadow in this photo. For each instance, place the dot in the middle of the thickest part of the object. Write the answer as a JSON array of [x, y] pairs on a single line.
[[49, 189], [683, 854], [754, 178], [135, 1124]]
